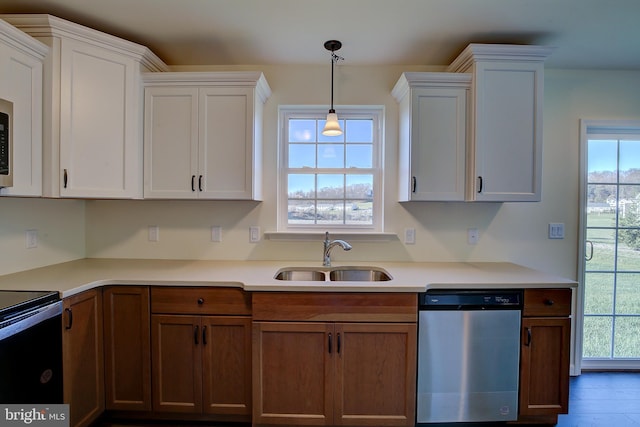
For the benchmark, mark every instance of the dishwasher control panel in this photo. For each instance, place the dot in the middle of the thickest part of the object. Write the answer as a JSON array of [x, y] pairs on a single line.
[[470, 299]]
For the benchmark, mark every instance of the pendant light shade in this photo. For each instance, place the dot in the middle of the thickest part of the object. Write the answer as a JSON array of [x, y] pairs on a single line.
[[332, 126]]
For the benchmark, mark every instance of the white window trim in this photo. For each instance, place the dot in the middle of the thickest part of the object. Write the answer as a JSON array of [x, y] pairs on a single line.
[[287, 111]]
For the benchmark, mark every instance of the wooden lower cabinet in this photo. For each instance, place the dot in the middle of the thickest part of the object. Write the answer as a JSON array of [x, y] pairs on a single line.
[[127, 348], [356, 372], [83, 360], [201, 364], [545, 348]]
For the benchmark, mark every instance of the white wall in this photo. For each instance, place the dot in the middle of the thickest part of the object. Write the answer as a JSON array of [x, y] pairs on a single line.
[[514, 232], [60, 231]]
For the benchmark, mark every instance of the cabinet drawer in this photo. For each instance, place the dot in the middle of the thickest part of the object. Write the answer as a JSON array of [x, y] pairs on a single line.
[[340, 307], [200, 300], [547, 302]]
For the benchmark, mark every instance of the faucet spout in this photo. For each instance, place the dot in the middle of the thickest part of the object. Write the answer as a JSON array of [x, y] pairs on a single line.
[[329, 245]]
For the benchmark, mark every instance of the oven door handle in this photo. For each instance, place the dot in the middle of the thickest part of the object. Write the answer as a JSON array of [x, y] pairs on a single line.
[[30, 319]]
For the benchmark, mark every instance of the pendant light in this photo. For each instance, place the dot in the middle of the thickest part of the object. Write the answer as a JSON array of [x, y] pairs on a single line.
[[332, 127]]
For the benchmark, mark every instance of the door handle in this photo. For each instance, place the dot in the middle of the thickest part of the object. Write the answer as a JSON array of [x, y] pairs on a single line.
[[69, 318], [414, 183], [339, 343], [195, 334], [65, 178], [193, 183], [200, 183], [590, 244], [480, 184], [528, 342], [330, 343], [204, 335]]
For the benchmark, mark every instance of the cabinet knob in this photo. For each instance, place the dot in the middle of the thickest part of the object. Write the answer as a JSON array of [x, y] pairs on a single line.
[[548, 302], [200, 301]]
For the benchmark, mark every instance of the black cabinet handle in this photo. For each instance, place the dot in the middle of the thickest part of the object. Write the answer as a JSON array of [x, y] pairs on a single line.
[[195, 334], [204, 335], [69, 318], [65, 178], [481, 182], [414, 183], [548, 302], [330, 343], [200, 183], [193, 183], [528, 343], [200, 301], [339, 343]]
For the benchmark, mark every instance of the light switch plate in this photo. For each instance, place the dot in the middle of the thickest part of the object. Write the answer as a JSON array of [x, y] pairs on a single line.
[[556, 230], [254, 234], [410, 236]]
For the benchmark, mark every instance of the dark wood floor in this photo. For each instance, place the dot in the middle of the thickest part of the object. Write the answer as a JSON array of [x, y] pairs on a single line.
[[596, 399], [603, 399]]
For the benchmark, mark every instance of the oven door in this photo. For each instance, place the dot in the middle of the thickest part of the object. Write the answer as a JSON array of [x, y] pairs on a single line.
[[31, 357]]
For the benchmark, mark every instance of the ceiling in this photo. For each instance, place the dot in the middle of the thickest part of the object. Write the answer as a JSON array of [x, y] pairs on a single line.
[[586, 33]]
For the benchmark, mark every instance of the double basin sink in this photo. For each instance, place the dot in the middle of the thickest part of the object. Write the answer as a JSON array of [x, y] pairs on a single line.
[[333, 274]]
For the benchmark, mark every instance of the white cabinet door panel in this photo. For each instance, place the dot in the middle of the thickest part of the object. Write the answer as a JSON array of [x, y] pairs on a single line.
[[226, 135], [97, 149], [171, 142]]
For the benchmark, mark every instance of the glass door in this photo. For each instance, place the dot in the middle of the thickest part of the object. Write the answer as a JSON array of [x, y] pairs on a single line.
[[611, 270]]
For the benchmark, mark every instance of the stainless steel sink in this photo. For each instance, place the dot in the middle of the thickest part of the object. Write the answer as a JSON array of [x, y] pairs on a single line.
[[335, 274], [301, 274], [358, 274]]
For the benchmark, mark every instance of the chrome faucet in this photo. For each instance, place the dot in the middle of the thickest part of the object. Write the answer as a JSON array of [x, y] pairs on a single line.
[[330, 244]]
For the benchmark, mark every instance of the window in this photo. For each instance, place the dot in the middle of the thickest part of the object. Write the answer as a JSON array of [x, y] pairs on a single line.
[[611, 233], [330, 183]]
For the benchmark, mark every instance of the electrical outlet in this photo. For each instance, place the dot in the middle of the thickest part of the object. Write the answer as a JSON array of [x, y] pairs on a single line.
[[473, 236], [254, 234], [216, 233], [154, 233], [410, 236], [31, 239]]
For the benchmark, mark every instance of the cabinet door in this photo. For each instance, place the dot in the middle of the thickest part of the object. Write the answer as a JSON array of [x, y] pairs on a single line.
[[508, 131], [83, 357], [99, 151], [292, 373], [127, 348], [226, 365], [171, 143], [177, 363], [375, 374], [544, 366], [22, 85], [438, 143], [226, 143]]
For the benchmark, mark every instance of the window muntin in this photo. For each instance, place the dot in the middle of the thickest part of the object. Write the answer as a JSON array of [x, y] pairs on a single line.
[[330, 182]]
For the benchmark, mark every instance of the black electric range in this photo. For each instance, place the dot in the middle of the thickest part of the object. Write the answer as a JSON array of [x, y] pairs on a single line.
[[15, 303], [30, 347]]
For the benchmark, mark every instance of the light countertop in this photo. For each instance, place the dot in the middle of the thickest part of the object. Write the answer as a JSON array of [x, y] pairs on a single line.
[[76, 276]]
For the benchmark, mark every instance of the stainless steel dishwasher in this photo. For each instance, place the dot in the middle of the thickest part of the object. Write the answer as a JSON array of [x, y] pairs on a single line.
[[468, 356]]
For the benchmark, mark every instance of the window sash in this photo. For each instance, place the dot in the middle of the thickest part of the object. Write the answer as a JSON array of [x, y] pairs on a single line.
[[352, 205]]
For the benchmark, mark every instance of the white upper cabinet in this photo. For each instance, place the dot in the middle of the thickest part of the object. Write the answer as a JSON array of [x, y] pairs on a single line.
[[21, 65], [203, 135], [432, 139], [505, 149], [92, 109]]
